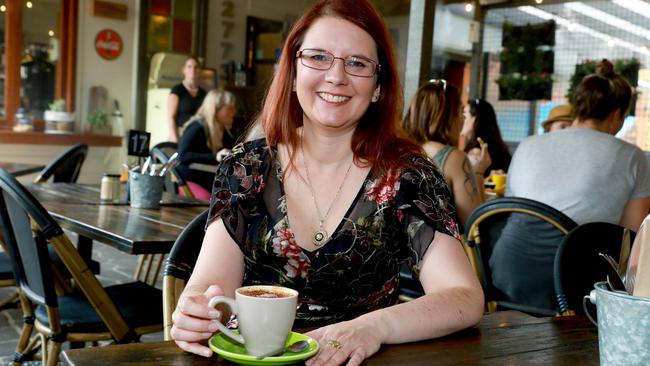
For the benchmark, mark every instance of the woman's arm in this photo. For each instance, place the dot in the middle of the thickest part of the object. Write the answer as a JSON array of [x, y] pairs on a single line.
[[193, 146], [172, 109], [453, 301], [219, 270], [468, 194], [634, 213]]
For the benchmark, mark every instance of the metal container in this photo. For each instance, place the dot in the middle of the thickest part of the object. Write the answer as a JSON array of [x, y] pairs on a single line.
[[110, 188], [623, 327], [145, 190]]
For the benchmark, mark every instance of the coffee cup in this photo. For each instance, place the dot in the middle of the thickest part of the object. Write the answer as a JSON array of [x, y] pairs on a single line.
[[265, 315]]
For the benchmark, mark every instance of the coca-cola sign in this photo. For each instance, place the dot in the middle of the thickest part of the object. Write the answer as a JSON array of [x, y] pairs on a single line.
[[108, 44]]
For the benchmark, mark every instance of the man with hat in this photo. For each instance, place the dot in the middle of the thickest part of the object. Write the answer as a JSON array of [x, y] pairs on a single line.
[[559, 118]]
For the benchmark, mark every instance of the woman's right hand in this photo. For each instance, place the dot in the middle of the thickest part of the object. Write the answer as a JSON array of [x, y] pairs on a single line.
[[479, 159], [194, 321]]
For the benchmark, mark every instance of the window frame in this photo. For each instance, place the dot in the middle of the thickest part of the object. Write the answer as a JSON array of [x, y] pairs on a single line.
[[65, 66]]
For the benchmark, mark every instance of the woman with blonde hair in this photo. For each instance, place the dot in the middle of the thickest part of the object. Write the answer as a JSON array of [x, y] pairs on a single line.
[[205, 139], [434, 121]]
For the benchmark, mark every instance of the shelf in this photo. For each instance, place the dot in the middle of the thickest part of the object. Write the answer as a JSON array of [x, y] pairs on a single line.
[[41, 138]]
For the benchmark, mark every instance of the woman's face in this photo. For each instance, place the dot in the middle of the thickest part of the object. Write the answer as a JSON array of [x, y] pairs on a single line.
[[467, 116], [332, 98], [191, 69], [226, 115]]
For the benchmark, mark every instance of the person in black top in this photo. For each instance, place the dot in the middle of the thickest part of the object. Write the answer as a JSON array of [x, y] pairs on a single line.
[[185, 98], [203, 140]]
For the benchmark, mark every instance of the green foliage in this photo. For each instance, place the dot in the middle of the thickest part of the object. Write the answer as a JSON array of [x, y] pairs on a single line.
[[98, 118], [526, 61], [57, 105]]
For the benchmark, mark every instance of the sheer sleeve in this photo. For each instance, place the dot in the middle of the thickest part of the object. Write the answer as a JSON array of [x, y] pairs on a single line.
[[425, 206], [237, 188]]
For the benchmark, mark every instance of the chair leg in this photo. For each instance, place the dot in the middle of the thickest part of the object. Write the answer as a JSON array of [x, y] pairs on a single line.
[[52, 354], [25, 345]]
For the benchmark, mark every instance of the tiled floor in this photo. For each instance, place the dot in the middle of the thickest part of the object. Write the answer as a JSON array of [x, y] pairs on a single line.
[[116, 267]]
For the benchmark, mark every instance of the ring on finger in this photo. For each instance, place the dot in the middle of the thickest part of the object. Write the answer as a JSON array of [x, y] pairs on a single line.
[[334, 343]]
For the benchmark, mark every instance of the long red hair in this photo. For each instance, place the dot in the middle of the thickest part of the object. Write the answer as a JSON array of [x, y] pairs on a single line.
[[377, 140]]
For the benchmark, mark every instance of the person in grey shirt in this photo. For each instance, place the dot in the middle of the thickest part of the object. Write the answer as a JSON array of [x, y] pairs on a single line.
[[584, 172]]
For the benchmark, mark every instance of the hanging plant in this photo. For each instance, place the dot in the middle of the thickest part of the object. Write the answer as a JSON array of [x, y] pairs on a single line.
[[527, 61]]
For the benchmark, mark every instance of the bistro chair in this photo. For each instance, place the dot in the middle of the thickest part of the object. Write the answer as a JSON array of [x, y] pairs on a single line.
[[578, 265], [86, 312], [545, 228], [409, 287], [66, 167], [179, 266], [149, 265], [161, 153]]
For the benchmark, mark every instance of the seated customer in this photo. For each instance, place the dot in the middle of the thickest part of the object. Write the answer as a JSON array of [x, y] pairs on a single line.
[[202, 140], [559, 118], [433, 120], [584, 172], [480, 121]]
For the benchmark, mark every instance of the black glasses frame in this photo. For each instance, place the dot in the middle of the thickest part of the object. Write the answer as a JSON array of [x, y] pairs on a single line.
[[376, 65]]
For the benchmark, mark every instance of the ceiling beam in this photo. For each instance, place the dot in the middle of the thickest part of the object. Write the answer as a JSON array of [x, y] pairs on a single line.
[[507, 3]]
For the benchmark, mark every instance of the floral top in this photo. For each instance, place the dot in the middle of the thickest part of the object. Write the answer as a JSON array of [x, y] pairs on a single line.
[[393, 219]]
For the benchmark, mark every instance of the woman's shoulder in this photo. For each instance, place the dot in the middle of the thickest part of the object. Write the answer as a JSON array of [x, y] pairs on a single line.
[[420, 166], [178, 89], [248, 152]]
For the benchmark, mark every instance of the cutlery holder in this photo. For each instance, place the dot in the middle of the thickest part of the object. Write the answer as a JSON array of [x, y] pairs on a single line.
[[623, 326], [145, 190]]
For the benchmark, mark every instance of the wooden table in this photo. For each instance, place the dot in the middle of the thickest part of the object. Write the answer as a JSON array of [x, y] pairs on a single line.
[[503, 338], [18, 169], [77, 208]]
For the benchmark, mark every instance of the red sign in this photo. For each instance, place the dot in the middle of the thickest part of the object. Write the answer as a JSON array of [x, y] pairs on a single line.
[[108, 44]]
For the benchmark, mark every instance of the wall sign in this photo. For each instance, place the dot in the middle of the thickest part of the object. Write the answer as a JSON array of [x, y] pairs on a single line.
[[108, 44]]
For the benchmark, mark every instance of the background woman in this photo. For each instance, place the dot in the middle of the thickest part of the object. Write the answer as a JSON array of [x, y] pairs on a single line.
[[185, 98], [583, 171], [480, 120], [205, 140], [331, 202], [434, 120]]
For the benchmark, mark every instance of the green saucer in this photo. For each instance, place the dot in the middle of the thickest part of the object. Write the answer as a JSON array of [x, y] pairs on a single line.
[[235, 352]]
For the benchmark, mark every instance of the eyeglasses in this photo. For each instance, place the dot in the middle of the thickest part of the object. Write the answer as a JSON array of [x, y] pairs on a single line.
[[437, 82], [353, 65]]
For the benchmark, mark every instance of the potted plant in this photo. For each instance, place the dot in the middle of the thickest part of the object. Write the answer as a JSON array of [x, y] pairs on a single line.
[[98, 123], [57, 120]]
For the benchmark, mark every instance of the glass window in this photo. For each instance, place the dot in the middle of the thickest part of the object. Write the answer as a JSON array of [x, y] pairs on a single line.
[[171, 26], [39, 55], [3, 10]]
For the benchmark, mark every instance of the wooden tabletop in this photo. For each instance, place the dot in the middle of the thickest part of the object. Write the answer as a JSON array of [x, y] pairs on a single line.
[[135, 231], [503, 338], [18, 169]]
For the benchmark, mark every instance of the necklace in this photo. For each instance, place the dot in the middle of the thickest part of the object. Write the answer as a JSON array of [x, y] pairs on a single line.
[[321, 236]]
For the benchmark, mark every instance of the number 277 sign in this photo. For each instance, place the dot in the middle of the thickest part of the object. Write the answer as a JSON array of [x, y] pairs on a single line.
[[108, 44]]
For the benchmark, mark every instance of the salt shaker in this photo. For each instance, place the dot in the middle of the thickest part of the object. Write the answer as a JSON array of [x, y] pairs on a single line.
[[110, 188]]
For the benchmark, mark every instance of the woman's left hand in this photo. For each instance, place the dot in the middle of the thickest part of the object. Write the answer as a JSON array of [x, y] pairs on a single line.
[[355, 340], [222, 154]]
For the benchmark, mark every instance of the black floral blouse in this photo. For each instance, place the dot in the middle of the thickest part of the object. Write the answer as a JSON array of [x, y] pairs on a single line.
[[393, 219]]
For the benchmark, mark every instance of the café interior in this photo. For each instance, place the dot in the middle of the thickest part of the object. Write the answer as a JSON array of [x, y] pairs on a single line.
[[83, 98]]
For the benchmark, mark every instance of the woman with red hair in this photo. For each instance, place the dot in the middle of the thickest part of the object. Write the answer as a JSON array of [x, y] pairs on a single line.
[[332, 201]]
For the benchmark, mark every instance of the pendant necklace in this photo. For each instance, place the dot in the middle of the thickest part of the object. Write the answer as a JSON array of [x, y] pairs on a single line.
[[321, 236]]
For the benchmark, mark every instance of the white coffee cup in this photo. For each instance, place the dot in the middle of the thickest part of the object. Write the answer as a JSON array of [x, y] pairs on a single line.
[[265, 315]]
